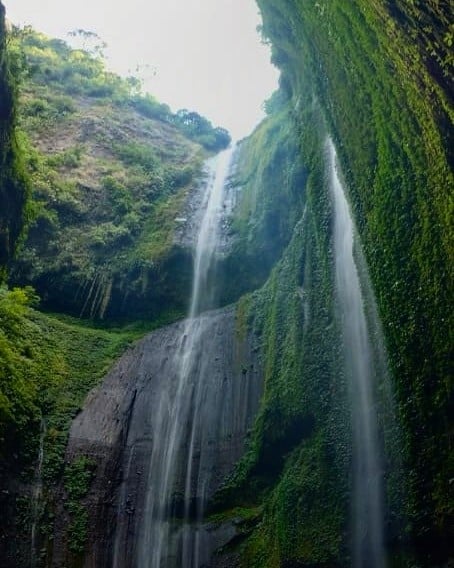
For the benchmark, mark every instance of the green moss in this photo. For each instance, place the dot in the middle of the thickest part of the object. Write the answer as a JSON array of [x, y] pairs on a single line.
[[47, 368], [296, 468], [297, 526], [362, 72], [269, 181], [156, 240], [14, 189], [77, 478]]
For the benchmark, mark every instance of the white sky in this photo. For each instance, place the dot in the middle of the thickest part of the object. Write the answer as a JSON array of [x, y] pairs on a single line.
[[206, 54]]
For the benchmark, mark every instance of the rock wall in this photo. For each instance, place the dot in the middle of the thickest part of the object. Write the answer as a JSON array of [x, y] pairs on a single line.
[[114, 431]]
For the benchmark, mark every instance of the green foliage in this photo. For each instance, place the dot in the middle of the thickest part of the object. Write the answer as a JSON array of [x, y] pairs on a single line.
[[201, 130], [46, 369], [364, 70], [17, 388], [14, 188], [269, 182], [69, 158], [296, 469], [82, 73], [377, 74], [139, 155], [297, 525], [149, 107], [77, 479], [109, 177], [70, 71]]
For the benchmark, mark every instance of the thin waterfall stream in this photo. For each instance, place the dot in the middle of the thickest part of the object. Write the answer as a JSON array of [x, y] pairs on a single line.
[[183, 422], [184, 400], [367, 513], [37, 495]]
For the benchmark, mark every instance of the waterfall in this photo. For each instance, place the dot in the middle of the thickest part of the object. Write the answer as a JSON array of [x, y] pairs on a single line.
[[209, 234], [36, 495], [367, 511], [186, 417]]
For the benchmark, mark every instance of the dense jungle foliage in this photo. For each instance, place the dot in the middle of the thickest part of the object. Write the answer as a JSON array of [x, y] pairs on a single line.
[[378, 78]]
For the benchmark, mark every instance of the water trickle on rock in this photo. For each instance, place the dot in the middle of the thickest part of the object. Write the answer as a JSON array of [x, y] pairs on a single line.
[[37, 496], [367, 511]]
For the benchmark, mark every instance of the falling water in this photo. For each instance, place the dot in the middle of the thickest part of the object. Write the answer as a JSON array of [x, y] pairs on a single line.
[[179, 468], [36, 495], [208, 236], [368, 548]]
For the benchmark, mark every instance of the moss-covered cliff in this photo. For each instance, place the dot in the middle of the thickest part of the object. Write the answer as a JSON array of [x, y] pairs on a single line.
[[13, 186], [378, 78]]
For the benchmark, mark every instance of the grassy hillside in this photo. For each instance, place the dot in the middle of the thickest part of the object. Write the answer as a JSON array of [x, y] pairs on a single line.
[[110, 172]]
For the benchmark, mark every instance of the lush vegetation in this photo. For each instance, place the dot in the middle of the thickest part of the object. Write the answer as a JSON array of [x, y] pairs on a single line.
[[107, 188], [376, 78], [13, 183], [295, 474], [47, 367], [78, 476], [74, 73], [269, 179], [110, 170]]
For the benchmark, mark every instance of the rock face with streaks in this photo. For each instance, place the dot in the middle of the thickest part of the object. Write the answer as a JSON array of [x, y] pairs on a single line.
[[125, 422]]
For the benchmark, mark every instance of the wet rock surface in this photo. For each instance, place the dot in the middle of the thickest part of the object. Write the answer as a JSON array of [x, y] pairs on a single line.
[[189, 220], [117, 430]]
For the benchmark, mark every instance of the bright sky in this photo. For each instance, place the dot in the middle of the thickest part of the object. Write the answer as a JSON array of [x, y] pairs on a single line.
[[206, 54]]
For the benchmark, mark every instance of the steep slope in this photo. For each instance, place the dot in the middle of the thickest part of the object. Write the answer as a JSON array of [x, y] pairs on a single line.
[[111, 172], [13, 187], [378, 79]]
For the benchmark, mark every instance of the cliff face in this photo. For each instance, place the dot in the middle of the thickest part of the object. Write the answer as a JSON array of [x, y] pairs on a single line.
[[123, 424], [377, 79], [13, 189]]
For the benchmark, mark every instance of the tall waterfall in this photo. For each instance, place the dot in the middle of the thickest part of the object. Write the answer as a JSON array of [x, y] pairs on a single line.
[[186, 415], [368, 547]]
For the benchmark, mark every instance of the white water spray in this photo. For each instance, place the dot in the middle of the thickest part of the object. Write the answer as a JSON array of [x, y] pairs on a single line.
[[368, 547]]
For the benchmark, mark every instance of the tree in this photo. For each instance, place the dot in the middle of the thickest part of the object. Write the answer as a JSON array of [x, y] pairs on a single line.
[[90, 42]]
